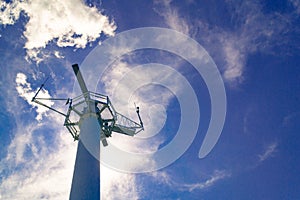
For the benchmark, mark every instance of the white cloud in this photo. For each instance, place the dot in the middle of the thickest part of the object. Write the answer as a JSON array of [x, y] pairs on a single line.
[[68, 23], [57, 54], [171, 16], [217, 176], [234, 58], [10, 12], [40, 157], [117, 185], [26, 92], [212, 179], [253, 31], [228, 44], [35, 168], [268, 152]]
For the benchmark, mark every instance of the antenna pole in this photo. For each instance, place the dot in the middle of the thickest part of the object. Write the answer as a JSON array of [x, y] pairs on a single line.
[[80, 80], [138, 113], [83, 87], [33, 98]]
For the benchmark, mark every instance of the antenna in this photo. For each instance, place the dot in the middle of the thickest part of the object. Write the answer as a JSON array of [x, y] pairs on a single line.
[[40, 88], [138, 113]]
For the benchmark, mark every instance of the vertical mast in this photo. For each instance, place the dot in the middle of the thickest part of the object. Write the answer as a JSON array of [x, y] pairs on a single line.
[[86, 176]]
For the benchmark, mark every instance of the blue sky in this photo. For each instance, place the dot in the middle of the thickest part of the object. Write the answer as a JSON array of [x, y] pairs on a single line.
[[254, 44]]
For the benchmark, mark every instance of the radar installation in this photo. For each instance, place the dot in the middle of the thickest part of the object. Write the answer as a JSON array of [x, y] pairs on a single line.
[[87, 114]]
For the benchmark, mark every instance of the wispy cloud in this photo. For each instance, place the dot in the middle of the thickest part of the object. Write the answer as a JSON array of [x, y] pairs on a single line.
[[38, 156], [268, 152], [212, 179], [252, 31], [172, 16], [35, 168], [68, 23]]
